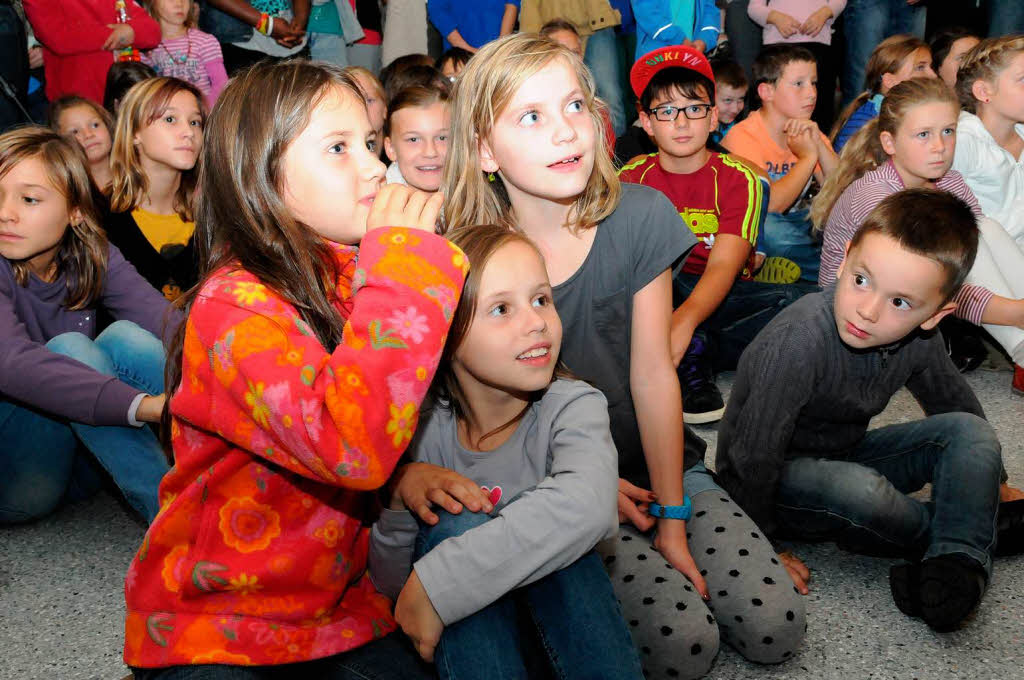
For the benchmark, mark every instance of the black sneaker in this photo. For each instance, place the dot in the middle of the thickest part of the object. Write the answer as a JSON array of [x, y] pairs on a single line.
[[702, 402], [963, 344], [1010, 529], [904, 580], [950, 590]]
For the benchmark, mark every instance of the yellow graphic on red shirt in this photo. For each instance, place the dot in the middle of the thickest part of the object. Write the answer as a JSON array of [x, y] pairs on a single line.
[[701, 221]]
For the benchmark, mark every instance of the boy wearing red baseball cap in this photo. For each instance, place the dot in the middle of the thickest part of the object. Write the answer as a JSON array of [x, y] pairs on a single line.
[[723, 201]]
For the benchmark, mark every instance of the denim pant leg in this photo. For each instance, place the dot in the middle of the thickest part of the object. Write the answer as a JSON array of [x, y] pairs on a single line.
[[580, 623], [744, 34], [866, 22], [861, 502], [747, 308], [602, 56], [1005, 17], [906, 18], [328, 47], [487, 644], [36, 463], [132, 456], [789, 235]]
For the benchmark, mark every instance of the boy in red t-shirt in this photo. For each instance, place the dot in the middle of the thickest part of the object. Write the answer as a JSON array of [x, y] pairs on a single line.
[[723, 201]]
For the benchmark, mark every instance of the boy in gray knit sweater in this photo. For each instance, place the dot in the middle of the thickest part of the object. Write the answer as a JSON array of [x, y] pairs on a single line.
[[794, 447]]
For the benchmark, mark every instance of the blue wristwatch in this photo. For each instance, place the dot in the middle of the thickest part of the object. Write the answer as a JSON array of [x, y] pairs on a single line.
[[671, 511]]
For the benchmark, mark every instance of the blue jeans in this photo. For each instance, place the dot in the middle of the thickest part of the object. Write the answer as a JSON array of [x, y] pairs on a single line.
[[328, 47], [789, 235], [747, 308], [569, 622], [40, 463], [860, 501], [604, 59], [867, 23], [389, 658], [1005, 17]]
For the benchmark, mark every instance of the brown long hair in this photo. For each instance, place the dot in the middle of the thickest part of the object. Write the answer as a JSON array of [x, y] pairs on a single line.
[[888, 57], [241, 218], [143, 104], [478, 243], [483, 90], [864, 152], [82, 255]]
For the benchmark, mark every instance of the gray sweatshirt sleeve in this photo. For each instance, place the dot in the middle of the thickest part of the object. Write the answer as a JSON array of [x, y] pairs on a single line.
[[544, 529], [391, 546]]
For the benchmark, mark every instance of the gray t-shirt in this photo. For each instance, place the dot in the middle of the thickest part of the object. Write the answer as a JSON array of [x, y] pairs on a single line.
[[642, 238], [559, 469]]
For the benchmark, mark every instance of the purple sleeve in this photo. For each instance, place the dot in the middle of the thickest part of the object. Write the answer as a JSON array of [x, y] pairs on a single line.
[[32, 374], [128, 296], [758, 11]]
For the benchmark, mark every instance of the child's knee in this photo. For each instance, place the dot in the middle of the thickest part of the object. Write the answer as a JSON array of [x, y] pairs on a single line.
[[128, 336], [449, 525], [688, 652], [81, 348], [769, 634]]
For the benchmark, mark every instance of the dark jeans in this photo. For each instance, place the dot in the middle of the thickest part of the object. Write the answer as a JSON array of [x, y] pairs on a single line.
[[747, 309], [861, 501], [868, 22], [389, 658], [568, 622], [1005, 17], [745, 36]]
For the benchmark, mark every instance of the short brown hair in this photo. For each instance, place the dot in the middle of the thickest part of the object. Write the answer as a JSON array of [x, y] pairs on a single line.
[[728, 72], [556, 25], [931, 223], [416, 96], [774, 59]]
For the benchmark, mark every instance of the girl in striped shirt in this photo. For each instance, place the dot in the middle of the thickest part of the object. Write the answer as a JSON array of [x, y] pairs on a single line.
[[184, 51], [911, 145]]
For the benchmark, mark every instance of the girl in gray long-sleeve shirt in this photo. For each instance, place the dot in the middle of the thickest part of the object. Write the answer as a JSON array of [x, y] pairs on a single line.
[[540, 447], [60, 382]]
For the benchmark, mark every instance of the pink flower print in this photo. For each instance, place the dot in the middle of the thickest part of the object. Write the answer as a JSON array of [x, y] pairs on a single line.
[[410, 324]]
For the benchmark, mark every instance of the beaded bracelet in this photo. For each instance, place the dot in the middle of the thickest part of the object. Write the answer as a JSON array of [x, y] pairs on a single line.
[[264, 26]]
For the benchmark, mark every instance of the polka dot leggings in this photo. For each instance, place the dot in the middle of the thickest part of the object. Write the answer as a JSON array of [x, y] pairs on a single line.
[[754, 606]]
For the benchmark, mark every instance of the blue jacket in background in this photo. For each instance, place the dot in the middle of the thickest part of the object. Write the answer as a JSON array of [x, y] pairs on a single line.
[[654, 27], [857, 120], [478, 21]]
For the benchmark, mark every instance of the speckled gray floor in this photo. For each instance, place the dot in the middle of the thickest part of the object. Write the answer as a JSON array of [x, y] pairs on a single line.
[[61, 597]]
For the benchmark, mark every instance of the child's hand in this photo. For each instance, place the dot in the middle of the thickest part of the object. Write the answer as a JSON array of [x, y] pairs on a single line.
[[633, 504], [151, 408], [397, 205], [122, 35], [286, 34], [813, 24], [417, 617], [802, 144], [671, 543], [795, 126], [798, 571], [418, 485], [786, 24]]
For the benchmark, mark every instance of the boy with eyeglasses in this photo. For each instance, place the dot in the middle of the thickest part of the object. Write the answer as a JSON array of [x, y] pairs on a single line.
[[723, 202]]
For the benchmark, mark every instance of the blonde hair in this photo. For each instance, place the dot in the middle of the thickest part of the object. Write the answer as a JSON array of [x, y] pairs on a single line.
[[864, 152], [142, 105], [888, 57], [985, 61], [483, 90], [355, 72], [82, 255]]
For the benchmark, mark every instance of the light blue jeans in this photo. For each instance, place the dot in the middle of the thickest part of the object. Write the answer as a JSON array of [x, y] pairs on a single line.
[[328, 47], [861, 501], [869, 22], [789, 235], [566, 625], [40, 461], [604, 59]]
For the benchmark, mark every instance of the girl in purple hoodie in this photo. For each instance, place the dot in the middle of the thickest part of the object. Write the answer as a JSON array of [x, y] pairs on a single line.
[[61, 383]]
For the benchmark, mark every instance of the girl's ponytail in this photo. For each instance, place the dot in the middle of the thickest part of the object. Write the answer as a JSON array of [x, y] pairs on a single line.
[[862, 154]]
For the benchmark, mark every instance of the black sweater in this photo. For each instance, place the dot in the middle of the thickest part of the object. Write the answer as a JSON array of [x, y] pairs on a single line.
[[800, 391], [171, 272]]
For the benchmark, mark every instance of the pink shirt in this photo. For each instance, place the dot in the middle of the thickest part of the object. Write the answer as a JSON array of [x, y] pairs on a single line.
[[860, 198], [195, 58], [799, 10]]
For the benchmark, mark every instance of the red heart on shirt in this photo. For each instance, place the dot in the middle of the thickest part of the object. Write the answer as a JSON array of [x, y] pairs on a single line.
[[493, 494]]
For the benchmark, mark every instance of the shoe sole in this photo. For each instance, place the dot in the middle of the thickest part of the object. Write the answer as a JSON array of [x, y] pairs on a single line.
[[701, 418], [778, 270], [949, 593]]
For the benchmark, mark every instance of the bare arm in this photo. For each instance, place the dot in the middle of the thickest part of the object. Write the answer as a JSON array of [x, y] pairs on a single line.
[[456, 40], [508, 20]]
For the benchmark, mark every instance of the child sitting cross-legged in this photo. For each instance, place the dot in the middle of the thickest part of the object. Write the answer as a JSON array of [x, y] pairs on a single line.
[[781, 138], [794, 448], [723, 202]]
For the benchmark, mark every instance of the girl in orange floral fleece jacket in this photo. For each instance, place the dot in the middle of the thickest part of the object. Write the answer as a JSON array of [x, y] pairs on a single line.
[[303, 363]]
